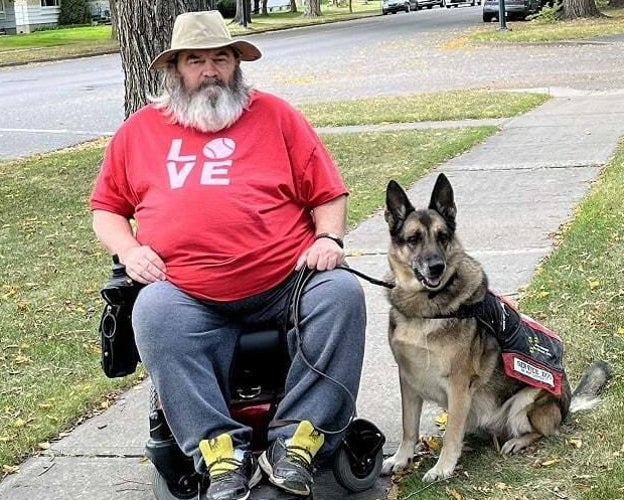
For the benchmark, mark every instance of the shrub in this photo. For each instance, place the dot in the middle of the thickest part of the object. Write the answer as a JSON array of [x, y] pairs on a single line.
[[548, 14], [73, 12], [227, 8]]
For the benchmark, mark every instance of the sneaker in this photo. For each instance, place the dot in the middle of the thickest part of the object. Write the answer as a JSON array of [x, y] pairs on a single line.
[[232, 472], [288, 463]]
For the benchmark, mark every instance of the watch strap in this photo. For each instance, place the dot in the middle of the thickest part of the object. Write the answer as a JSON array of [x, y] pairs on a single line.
[[332, 236]]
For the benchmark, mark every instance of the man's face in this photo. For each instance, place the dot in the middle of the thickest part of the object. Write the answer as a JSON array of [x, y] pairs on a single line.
[[205, 67]]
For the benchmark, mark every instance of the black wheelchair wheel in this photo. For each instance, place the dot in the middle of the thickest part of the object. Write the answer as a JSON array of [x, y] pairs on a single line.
[[187, 488], [356, 477]]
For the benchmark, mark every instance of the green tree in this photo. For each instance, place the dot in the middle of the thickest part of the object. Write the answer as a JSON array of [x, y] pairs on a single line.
[[73, 12]]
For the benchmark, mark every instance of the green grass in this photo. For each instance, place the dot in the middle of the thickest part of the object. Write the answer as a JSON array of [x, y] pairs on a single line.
[[281, 20], [539, 31], [438, 106], [51, 271], [56, 44], [54, 37], [579, 292]]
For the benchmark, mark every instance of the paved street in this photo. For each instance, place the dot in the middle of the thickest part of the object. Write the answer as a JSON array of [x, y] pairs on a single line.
[[48, 106]]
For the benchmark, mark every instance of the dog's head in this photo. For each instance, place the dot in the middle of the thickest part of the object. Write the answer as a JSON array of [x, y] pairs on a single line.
[[423, 240]]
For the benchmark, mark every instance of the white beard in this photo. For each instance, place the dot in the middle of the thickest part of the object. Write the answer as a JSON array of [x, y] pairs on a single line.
[[213, 107]]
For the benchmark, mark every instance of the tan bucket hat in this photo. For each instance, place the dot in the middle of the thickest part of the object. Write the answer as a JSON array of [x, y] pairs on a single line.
[[203, 30]]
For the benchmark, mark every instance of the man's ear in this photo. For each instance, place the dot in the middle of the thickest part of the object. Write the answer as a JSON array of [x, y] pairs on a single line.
[[398, 207], [443, 200]]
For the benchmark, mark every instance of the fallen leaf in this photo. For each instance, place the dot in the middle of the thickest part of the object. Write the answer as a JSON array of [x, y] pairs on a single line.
[[10, 469], [546, 463], [441, 419], [43, 446], [19, 423], [577, 443], [453, 494]]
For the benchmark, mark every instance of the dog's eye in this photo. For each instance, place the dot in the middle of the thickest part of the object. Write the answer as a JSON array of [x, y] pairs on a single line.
[[443, 238], [413, 239]]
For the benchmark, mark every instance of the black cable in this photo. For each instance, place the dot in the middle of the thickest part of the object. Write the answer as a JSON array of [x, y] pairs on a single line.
[[302, 278]]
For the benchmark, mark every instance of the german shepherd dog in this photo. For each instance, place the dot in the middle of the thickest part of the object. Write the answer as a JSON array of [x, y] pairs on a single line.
[[456, 362]]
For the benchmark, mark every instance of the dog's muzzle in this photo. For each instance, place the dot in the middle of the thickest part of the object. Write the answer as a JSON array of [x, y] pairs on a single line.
[[430, 274]]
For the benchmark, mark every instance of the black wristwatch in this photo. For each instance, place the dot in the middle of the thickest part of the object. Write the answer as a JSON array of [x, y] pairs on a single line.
[[332, 236]]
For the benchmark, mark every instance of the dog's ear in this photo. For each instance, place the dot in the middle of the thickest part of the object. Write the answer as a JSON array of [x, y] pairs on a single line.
[[443, 200], [398, 207]]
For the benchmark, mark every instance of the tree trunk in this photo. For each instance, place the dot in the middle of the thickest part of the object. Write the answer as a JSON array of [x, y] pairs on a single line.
[[293, 5], [144, 30], [574, 9], [114, 23], [238, 17], [312, 8]]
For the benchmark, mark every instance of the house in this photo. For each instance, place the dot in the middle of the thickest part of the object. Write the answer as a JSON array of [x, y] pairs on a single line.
[[26, 16]]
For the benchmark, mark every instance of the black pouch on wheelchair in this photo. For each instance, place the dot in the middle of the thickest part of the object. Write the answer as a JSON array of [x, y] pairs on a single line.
[[119, 352]]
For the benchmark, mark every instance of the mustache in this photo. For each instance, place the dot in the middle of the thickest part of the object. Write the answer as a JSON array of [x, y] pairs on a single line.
[[211, 83]]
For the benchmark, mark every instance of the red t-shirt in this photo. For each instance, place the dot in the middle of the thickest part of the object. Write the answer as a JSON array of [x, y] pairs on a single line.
[[228, 212]]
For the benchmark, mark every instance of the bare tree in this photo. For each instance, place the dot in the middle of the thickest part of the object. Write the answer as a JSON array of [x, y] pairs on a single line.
[[574, 9], [238, 17], [113, 14], [144, 29], [312, 8]]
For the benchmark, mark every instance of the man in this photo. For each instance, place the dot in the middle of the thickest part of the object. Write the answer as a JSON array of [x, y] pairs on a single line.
[[232, 193]]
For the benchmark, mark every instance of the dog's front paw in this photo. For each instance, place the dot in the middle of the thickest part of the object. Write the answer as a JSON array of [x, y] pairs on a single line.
[[395, 463], [437, 473], [517, 444]]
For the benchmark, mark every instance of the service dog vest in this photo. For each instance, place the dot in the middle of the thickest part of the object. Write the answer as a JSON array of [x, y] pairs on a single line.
[[531, 352]]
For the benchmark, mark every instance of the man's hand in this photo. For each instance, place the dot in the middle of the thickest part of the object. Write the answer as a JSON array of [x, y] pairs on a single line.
[[143, 264], [323, 255]]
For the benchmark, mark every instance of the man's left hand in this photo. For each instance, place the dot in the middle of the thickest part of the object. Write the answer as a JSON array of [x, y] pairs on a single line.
[[323, 255]]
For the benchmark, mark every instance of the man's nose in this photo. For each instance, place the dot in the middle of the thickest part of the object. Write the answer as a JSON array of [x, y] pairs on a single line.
[[209, 70]]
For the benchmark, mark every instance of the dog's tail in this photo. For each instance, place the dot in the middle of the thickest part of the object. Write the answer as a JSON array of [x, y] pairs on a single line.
[[585, 396]]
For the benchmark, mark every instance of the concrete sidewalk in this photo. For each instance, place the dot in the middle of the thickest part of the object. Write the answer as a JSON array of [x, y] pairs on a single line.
[[512, 192]]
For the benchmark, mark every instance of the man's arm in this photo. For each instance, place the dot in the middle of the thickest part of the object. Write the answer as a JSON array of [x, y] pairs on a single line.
[[115, 233], [325, 253]]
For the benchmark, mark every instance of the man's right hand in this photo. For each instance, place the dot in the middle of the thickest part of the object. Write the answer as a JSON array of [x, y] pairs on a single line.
[[143, 264]]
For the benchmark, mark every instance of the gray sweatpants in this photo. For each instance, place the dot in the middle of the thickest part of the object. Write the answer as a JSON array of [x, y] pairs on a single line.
[[187, 346]]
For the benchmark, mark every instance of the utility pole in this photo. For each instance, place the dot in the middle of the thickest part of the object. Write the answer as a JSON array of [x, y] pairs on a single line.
[[501, 15]]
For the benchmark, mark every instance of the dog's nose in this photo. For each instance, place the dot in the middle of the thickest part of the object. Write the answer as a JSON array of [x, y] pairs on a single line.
[[436, 268]]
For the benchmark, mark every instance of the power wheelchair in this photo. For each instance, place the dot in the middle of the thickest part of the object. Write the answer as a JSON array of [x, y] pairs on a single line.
[[257, 380]]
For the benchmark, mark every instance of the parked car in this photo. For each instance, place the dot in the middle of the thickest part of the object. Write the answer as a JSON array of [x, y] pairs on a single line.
[[518, 9], [394, 6], [428, 3], [456, 3]]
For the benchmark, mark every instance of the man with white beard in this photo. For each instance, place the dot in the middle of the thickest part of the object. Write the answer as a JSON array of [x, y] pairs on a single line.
[[233, 194]]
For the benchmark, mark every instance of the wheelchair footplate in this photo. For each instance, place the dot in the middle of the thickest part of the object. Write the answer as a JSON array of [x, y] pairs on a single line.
[[266, 491]]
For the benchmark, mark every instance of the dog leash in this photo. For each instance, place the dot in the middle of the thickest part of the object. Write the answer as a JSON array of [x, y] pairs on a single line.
[[368, 278]]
